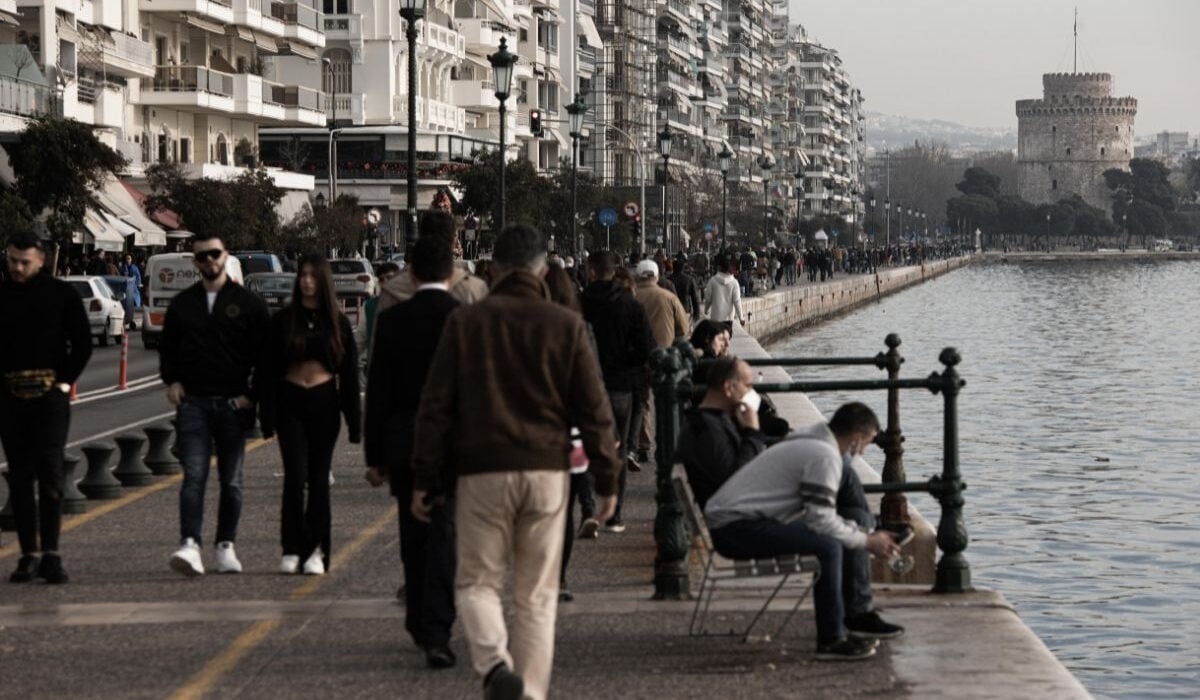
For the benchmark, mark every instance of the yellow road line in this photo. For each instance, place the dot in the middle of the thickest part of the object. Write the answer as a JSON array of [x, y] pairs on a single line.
[[204, 680], [107, 507]]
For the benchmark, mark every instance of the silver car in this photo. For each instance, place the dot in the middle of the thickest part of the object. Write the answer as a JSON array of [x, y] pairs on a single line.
[[105, 313]]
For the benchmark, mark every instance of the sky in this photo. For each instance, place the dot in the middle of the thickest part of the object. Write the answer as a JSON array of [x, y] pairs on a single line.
[[968, 61]]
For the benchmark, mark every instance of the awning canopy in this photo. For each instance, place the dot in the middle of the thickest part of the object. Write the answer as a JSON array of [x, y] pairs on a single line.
[[821, 236], [114, 197], [201, 23], [100, 233], [294, 203], [266, 44], [293, 48], [586, 28], [164, 217]]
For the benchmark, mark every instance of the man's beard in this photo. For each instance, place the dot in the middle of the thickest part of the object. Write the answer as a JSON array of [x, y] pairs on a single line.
[[212, 275]]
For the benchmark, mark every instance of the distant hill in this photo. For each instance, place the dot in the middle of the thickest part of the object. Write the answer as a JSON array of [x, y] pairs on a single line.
[[900, 132]]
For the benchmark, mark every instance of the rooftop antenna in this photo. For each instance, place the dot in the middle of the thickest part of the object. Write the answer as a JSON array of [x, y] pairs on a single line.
[[1076, 28]]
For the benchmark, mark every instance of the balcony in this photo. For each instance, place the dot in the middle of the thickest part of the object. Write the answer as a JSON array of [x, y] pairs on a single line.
[[586, 60], [217, 11], [348, 107], [193, 88], [483, 35], [248, 13], [447, 41], [475, 94], [678, 9], [109, 106], [343, 27], [301, 105], [301, 22], [675, 80], [252, 97], [431, 114], [121, 55]]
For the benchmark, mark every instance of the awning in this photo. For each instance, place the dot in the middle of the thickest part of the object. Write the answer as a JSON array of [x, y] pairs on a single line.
[[115, 197], [163, 217], [6, 18], [201, 23], [240, 32], [292, 48], [101, 233], [122, 228], [266, 43], [586, 28], [294, 202]]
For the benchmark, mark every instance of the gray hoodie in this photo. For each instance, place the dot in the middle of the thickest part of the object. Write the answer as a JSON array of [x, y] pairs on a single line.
[[794, 480]]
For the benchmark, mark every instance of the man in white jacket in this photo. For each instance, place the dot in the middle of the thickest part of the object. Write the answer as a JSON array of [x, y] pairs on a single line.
[[801, 496], [723, 295]]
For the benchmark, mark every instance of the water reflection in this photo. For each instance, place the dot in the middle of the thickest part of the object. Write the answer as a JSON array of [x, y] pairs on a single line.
[[1078, 441]]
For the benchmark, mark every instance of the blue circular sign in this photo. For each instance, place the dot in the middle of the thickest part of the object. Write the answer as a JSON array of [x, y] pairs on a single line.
[[709, 227], [608, 217]]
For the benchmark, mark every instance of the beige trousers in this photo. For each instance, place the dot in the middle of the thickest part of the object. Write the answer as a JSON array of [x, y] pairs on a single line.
[[517, 518]]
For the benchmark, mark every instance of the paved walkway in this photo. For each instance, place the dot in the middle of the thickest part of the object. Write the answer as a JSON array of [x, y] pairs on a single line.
[[128, 627]]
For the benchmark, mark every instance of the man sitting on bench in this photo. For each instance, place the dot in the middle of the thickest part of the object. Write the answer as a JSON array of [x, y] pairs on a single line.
[[802, 497], [721, 434]]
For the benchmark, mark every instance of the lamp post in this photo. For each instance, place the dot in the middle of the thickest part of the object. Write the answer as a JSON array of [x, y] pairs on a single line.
[[664, 149], [327, 65], [502, 72], [1047, 230], [799, 175], [766, 164], [725, 157], [412, 11], [575, 112]]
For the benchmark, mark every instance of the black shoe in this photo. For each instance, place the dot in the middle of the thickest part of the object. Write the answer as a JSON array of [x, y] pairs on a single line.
[[869, 625], [632, 465], [401, 593], [565, 596], [440, 657], [27, 565], [503, 684], [901, 532], [846, 649], [614, 525], [51, 569]]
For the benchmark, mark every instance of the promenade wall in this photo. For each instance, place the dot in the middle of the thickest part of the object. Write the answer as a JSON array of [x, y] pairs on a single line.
[[777, 313]]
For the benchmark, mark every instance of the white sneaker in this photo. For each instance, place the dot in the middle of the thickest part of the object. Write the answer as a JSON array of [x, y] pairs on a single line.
[[315, 566], [186, 560], [227, 561], [331, 477], [290, 564]]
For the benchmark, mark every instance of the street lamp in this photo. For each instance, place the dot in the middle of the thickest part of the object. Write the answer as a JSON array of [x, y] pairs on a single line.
[[664, 149], [766, 164], [887, 210], [575, 112], [319, 201], [1047, 230], [502, 72], [725, 157], [327, 65], [799, 175], [412, 11]]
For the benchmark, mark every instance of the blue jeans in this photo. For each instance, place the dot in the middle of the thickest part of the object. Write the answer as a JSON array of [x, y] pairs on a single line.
[[202, 422], [844, 585]]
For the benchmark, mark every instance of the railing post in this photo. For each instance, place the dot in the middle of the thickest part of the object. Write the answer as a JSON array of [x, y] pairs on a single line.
[[953, 572], [894, 507], [670, 533]]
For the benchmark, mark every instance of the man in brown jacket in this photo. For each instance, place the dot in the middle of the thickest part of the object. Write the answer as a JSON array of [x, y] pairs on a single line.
[[464, 287], [668, 321], [512, 374]]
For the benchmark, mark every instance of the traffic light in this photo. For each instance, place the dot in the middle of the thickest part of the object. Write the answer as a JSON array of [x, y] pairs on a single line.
[[535, 122], [637, 227]]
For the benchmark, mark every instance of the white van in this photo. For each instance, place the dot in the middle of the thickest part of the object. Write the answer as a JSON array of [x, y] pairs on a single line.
[[167, 275]]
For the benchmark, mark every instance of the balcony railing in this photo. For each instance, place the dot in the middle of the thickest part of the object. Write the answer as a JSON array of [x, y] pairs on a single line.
[[295, 13], [297, 96], [131, 49], [192, 79]]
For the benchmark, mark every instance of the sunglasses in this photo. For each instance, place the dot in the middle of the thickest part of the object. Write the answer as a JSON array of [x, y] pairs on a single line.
[[213, 254]]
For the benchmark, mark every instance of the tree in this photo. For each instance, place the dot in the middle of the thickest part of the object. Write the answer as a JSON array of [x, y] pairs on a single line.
[[979, 182], [337, 227], [14, 211], [242, 211], [526, 192], [1142, 198], [976, 210], [59, 164]]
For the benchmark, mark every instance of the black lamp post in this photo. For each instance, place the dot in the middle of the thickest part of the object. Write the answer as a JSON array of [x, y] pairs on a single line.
[[766, 164], [412, 11], [799, 175], [575, 112], [664, 148], [887, 210], [502, 72], [725, 157]]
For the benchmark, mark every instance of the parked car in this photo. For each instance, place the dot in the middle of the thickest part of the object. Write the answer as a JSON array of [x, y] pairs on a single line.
[[166, 276], [106, 316], [275, 288], [354, 282], [254, 261], [125, 290]]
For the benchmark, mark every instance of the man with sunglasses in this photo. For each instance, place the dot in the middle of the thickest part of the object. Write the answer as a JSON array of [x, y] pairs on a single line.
[[208, 354]]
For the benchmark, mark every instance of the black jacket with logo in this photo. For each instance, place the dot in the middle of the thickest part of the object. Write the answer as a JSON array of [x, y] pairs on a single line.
[[213, 354], [43, 326]]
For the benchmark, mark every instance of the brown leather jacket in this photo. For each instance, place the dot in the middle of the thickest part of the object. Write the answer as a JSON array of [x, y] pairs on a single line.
[[512, 375]]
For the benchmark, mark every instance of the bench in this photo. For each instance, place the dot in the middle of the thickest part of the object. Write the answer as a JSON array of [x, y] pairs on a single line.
[[719, 570]]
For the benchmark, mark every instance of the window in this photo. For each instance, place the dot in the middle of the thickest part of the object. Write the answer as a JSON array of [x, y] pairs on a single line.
[[162, 148], [185, 150], [1054, 184], [339, 72], [1054, 129], [1102, 150], [337, 7], [1068, 150]]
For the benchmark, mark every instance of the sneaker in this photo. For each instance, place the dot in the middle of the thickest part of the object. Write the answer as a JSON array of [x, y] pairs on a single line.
[[186, 560], [290, 564], [901, 532], [632, 465], [869, 625], [587, 530], [503, 684], [51, 569], [227, 561], [614, 525], [314, 565], [331, 477], [846, 649], [26, 567], [565, 596], [440, 657]]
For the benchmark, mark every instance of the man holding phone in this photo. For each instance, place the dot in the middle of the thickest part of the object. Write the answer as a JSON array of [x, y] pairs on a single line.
[[210, 346]]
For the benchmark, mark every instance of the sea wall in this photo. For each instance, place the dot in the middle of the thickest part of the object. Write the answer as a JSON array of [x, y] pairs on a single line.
[[777, 313]]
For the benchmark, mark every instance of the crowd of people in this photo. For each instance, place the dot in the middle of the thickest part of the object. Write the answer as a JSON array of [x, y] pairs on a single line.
[[494, 405]]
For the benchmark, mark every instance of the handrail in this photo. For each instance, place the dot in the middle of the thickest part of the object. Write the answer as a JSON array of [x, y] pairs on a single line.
[[672, 371]]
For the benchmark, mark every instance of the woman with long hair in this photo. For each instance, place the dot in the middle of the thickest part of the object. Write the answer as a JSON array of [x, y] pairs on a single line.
[[310, 376]]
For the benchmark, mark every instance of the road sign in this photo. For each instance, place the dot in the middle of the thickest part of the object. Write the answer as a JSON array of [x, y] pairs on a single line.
[[709, 227], [608, 216], [374, 217], [631, 209]]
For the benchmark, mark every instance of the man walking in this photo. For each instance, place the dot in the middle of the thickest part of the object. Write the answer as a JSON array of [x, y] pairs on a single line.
[[510, 377], [668, 321], [723, 295], [405, 340], [45, 343], [210, 346]]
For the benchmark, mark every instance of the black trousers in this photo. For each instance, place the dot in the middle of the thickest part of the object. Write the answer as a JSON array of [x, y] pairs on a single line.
[[308, 425], [581, 492], [34, 433], [623, 405], [427, 551]]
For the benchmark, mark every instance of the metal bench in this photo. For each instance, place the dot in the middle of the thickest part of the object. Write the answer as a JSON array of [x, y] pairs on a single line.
[[718, 569]]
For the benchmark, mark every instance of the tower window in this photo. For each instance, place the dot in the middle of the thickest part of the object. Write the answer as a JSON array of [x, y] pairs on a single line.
[[1053, 129], [1068, 151], [1054, 184], [1102, 150]]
